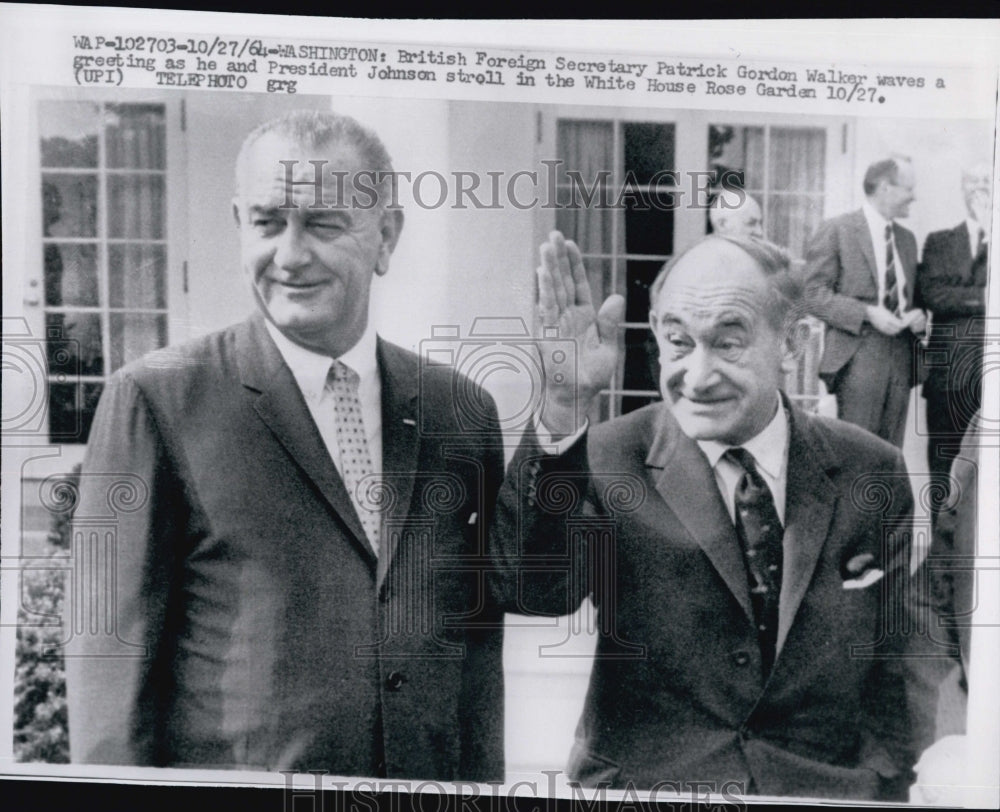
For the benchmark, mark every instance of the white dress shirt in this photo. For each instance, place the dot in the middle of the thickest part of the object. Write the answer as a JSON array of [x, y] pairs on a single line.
[[310, 370], [770, 453], [974, 228], [876, 227]]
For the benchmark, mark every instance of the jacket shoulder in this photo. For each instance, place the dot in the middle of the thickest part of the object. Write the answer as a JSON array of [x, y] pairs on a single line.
[[178, 367], [625, 437], [852, 445]]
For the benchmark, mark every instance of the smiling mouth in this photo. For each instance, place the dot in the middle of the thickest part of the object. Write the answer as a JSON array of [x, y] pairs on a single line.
[[298, 285]]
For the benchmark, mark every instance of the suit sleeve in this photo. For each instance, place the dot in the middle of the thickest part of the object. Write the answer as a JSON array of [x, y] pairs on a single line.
[[823, 270], [901, 696], [947, 291], [118, 648], [542, 565]]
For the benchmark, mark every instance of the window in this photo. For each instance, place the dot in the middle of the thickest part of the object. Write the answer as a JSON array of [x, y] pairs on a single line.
[[104, 197], [783, 168], [628, 195], [617, 186]]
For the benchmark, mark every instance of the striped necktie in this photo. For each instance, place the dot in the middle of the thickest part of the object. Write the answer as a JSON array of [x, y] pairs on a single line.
[[891, 300]]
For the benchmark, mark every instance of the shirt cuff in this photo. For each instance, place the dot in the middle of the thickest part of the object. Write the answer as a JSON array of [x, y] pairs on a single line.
[[555, 447]]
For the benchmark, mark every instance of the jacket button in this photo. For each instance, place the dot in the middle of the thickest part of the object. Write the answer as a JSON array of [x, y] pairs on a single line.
[[394, 681], [741, 658]]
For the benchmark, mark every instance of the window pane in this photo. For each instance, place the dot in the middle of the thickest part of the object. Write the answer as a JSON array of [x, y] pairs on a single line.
[[73, 344], [797, 159], [649, 223], [71, 274], [640, 275], [791, 219], [136, 206], [649, 151], [642, 367], [588, 223], [135, 334], [737, 154], [137, 276], [585, 147], [68, 133], [69, 205], [136, 136], [71, 410]]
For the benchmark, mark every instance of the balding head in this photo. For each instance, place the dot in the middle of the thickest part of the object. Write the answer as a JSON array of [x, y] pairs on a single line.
[[734, 213], [977, 189]]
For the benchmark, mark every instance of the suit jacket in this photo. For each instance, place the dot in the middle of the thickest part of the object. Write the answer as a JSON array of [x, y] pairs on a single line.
[[841, 279], [676, 693], [951, 283], [249, 624]]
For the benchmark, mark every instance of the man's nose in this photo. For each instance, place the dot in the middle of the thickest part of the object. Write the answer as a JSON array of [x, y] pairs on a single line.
[[699, 369], [292, 248]]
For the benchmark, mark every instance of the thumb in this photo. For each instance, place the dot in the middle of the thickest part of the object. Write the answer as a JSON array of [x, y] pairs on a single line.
[[610, 318]]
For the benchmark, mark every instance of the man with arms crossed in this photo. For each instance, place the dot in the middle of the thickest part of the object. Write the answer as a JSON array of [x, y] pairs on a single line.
[[310, 576], [752, 595]]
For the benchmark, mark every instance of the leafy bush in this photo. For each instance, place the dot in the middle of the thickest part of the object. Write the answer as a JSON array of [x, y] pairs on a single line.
[[40, 720]]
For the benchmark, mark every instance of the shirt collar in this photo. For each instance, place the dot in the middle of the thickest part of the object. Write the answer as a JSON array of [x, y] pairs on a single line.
[[767, 447], [310, 369], [876, 222], [974, 229]]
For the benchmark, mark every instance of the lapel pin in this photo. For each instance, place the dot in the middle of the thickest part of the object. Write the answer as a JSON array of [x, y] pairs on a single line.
[[473, 517], [409, 421]]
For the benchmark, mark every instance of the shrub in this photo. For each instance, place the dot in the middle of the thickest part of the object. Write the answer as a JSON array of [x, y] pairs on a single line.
[[40, 719]]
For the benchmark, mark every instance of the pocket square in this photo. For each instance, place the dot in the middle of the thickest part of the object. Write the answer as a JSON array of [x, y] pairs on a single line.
[[865, 580]]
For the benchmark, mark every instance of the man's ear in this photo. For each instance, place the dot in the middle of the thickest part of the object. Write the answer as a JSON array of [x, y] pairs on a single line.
[[391, 228], [796, 338]]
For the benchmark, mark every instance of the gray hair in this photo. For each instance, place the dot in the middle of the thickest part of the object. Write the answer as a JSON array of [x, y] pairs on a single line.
[[785, 304], [312, 129]]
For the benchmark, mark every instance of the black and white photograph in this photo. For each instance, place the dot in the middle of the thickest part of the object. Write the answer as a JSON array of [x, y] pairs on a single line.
[[391, 408]]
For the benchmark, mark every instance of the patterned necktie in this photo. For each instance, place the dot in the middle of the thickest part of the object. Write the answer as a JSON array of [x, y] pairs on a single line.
[[355, 458], [891, 300], [760, 532]]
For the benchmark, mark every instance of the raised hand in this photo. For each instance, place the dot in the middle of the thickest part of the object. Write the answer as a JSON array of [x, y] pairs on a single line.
[[566, 309]]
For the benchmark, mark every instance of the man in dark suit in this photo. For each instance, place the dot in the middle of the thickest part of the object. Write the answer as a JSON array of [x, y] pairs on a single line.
[[951, 283], [749, 561], [307, 573], [860, 272]]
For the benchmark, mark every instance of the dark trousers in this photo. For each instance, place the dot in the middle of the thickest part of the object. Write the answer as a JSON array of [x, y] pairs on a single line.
[[949, 412], [873, 388]]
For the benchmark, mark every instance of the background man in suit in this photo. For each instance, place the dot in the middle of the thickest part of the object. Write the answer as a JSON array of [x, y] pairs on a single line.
[[951, 283], [306, 577], [736, 214], [745, 558], [860, 273]]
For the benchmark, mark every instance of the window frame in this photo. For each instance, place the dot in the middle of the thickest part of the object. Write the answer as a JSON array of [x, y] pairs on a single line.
[[691, 155], [35, 309]]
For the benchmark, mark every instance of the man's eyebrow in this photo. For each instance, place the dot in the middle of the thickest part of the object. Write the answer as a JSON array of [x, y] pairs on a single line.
[[259, 209]]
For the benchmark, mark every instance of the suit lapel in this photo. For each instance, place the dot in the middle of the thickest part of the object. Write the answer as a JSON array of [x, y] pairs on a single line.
[[810, 501], [865, 242], [400, 443], [907, 257], [280, 404], [687, 484]]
